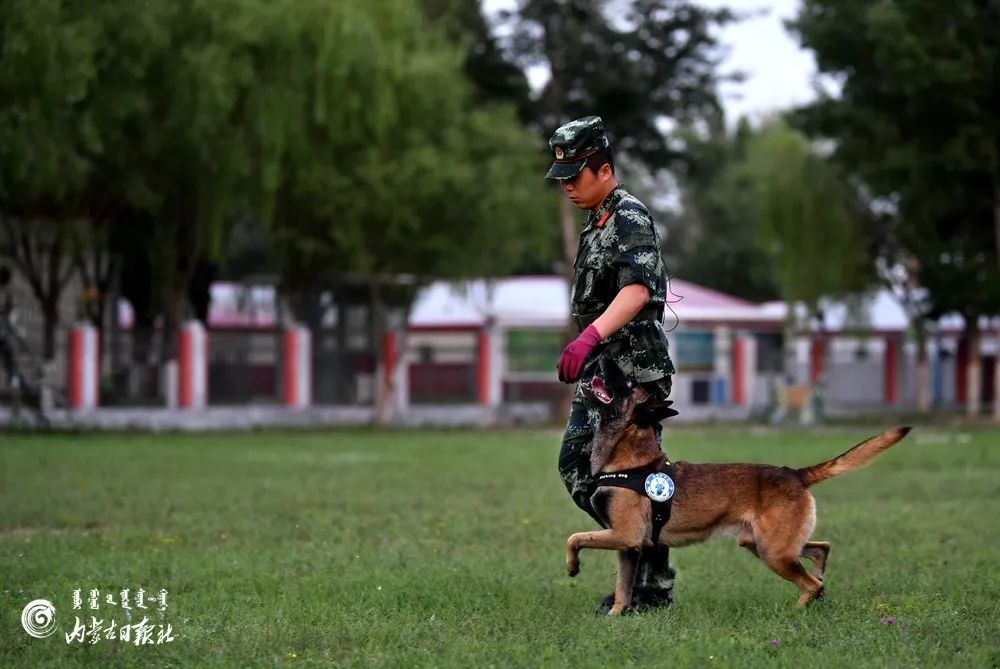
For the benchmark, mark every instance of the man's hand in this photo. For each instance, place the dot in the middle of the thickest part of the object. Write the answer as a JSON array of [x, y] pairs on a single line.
[[622, 309], [571, 361]]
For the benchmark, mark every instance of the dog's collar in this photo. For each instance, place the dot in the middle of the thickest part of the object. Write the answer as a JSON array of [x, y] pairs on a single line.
[[658, 463]]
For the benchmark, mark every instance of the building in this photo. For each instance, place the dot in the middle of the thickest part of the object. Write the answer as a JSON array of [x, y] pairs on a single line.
[[498, 341], [495, 342], [717, 342]]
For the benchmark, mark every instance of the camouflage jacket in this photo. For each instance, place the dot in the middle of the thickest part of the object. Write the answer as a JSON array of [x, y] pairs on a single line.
[[619, 246]]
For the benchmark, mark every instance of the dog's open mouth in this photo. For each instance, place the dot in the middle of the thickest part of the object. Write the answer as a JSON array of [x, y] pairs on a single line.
[[600, 391]]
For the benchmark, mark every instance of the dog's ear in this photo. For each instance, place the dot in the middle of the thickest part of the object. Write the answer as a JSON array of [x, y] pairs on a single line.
[[647, 415]]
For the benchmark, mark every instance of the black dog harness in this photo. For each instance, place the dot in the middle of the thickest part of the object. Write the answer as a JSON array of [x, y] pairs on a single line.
[[636, 479]]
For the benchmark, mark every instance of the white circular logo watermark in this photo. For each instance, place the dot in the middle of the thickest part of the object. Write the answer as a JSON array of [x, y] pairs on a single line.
[[659, 487], [38, 618]]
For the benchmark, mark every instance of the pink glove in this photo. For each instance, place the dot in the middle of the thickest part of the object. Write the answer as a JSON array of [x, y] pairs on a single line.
[[571, 361]]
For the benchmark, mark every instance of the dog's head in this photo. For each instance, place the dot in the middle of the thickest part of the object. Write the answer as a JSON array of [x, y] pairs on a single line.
[[613, 392], [625, 409], [618, 396]]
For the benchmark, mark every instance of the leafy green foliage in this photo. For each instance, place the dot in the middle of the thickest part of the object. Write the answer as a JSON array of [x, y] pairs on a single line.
[[48, 56], [807, 218], [377, 159], [635, 64], [766, 216], [915, 119], [713, 240], [495, 77], [349, 131]]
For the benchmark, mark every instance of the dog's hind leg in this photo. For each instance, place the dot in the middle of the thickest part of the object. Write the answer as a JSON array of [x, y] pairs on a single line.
[[817, 552], [780, 533], [789, 567]]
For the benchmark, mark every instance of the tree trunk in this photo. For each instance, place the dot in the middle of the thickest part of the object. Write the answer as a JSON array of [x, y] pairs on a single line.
[[344, 385], [996, 379], [923, 370], [384, 381], [818, 385], [788, 357], [570, 245], [38, 249], [111, 348], [790, 353], [171, 324], [974, 367], [996, 240], [50, 314], [169, 270]]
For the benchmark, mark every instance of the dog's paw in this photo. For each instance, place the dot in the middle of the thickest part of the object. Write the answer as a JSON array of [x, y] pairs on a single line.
[[572, 566]]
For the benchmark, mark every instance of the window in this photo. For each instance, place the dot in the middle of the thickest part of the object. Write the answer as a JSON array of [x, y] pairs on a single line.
[[701, 391], [534, 350], [695, 350], [770, 352]]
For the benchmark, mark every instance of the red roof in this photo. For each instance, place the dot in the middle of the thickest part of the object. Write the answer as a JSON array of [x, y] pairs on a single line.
[[693, 294]]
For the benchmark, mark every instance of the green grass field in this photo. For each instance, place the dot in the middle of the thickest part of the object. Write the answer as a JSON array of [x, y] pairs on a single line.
[[446, 549]]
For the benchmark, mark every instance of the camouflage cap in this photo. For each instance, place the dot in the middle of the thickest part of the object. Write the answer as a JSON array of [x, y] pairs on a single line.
[[573, 143]]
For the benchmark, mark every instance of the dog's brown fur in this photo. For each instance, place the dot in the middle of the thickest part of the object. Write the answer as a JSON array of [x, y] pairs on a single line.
[[769, 509]]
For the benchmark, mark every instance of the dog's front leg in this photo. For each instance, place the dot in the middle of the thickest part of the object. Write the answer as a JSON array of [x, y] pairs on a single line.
[[608, 539], [627, 561]]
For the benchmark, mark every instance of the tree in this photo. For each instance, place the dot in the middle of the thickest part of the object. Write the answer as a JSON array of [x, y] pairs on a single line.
[[47, 63], [495, 78], [809, 220], [408, 175], [712, 239], [654, 60], [195, 167], [638, 64], [915, 119], [121, 110], [651, 60]]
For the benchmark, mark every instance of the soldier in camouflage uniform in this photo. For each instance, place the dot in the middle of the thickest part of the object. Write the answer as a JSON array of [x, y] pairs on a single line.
[[618, 296]]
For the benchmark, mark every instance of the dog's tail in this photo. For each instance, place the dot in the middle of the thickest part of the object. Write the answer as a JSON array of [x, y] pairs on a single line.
[[856, 458]]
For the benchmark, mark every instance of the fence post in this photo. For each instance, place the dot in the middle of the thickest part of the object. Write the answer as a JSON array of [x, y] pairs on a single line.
[[722, 365], [744, 368], [739, 380], [890, 365], [962, 370], [297, 367], [83, 375], [816, 359], [193, 366], [483, 365]]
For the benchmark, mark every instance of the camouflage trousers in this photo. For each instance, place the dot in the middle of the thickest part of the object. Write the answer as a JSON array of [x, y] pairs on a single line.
[[654, 572]]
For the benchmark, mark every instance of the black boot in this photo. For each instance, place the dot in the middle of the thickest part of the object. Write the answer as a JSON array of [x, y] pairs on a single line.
[[654, 583]]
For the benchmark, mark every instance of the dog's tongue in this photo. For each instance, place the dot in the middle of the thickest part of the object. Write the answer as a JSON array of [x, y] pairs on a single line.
[[600, 390]]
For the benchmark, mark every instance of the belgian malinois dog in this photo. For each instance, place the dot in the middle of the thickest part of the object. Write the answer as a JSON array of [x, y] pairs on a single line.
[[769, 509]]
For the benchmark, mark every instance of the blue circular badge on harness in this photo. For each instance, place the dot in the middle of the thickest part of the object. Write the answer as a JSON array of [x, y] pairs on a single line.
[[659, 487]]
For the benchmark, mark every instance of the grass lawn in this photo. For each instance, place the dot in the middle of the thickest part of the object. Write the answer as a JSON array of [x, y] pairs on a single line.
[[446, 549]]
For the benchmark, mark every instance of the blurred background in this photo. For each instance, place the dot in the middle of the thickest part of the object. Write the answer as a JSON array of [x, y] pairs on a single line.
[[230, 212]]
